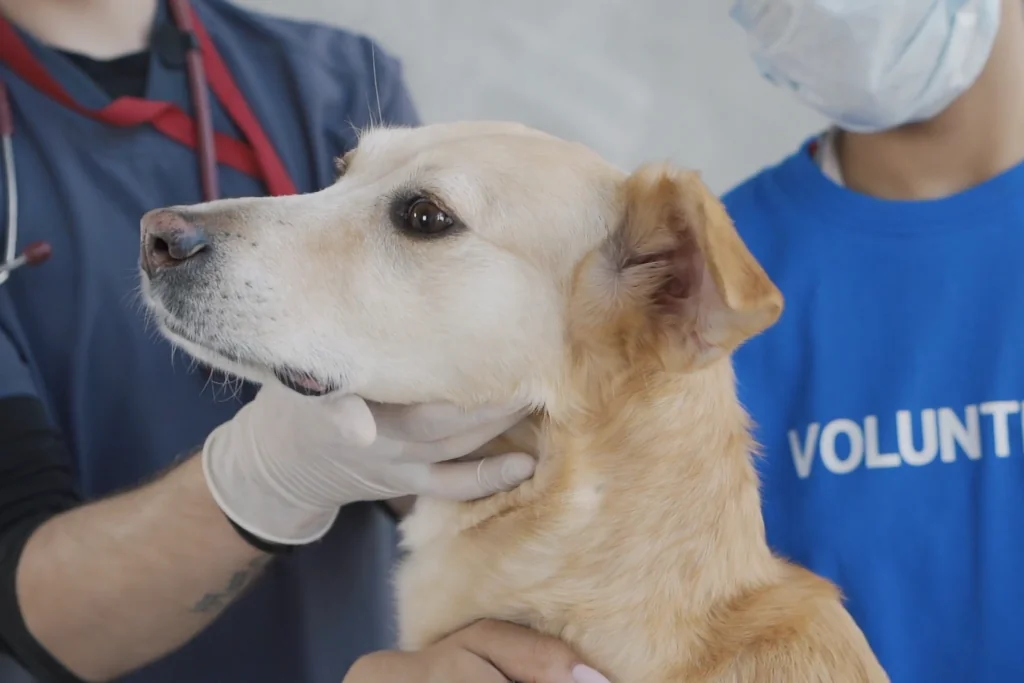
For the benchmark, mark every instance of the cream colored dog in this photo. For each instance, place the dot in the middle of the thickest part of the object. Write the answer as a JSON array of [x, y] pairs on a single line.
[[480, 262]]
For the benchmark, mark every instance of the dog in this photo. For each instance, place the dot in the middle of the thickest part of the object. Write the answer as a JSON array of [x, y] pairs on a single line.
[[480, 262]]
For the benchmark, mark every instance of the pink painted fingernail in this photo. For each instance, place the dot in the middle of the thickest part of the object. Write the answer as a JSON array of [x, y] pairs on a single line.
[[584, 674]]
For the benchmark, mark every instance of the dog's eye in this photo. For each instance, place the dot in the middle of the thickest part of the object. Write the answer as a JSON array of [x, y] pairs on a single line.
[[426, 218], [420, 216]]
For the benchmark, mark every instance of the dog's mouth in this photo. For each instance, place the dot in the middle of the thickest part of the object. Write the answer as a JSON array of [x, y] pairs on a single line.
[[299, 381], [302, 382]]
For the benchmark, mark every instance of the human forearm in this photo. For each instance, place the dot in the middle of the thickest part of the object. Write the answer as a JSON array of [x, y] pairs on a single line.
[[112, 585]]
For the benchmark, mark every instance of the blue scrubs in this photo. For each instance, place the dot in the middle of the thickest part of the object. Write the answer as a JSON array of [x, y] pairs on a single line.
[[889, 399], [73, 333]]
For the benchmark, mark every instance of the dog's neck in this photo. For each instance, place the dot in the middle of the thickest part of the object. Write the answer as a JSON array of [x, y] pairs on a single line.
[[647, 493], [670, 458]]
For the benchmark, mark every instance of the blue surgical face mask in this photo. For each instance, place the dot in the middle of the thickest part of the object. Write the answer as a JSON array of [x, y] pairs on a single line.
[[870, 65]]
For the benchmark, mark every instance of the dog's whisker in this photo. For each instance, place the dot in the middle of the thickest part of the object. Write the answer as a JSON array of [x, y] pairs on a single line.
[[376, 87]]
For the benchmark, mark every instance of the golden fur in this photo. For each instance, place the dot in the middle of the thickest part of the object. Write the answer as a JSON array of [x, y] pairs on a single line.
[[640, 540], [609, 302]]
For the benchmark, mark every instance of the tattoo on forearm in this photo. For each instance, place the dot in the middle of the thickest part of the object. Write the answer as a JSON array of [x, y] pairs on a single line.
[[236, 585]]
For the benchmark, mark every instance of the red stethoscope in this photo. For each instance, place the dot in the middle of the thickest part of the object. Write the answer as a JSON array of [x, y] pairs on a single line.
[[206, 71]]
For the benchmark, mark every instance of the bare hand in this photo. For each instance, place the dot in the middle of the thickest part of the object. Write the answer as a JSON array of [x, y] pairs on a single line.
[[485, 652]]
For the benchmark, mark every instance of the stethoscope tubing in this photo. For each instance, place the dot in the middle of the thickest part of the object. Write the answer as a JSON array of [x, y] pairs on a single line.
[[9, 262]]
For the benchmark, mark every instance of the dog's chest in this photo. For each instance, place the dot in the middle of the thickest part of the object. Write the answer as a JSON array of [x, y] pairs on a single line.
[[521, 567], [556, 571], [581, 568]]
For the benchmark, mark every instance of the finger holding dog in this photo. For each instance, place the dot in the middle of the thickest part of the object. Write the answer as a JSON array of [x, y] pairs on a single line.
[[285, 466], [436, 421], [485, 651]]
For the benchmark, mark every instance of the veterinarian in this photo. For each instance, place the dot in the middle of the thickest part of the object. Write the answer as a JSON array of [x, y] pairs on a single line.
[[123, 552], [888, 398]]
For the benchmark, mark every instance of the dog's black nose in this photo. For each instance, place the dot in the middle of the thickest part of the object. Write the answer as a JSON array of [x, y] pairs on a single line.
[[169, 238]]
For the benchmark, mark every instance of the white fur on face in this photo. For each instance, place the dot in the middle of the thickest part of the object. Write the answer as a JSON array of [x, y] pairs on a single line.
[[326, 283]]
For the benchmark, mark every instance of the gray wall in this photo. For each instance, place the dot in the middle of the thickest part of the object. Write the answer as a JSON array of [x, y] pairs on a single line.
[[637, 80]]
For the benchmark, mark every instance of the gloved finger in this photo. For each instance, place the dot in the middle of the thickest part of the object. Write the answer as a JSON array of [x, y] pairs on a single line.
[[455, 446], [469, 480], [352, 417], [429, 422]]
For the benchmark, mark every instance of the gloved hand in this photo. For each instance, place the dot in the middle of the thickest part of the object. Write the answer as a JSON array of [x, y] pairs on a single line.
[[285, 464]]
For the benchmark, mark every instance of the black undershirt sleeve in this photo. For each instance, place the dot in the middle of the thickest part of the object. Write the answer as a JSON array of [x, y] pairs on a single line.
[[36, 483]]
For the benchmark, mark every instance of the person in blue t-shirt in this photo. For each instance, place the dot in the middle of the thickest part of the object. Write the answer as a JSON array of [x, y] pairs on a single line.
[[124, 552], [889, 398]]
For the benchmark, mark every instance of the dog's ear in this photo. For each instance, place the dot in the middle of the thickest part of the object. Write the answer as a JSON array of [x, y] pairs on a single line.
[[684, 284]]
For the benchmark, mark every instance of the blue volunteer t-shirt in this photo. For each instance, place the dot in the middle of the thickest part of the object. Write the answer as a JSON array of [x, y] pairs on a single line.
[[889, 402], [74, 334]]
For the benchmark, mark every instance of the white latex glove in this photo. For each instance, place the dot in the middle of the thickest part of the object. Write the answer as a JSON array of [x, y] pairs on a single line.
[[285, 464]]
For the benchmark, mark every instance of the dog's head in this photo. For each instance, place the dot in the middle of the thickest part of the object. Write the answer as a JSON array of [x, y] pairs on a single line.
[[465, 262]]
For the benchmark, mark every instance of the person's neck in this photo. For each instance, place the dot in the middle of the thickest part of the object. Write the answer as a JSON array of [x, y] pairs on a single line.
[[975, 139], [101, 29]]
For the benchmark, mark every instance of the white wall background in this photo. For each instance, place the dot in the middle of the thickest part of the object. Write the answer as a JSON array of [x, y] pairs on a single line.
[[638, 80]]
